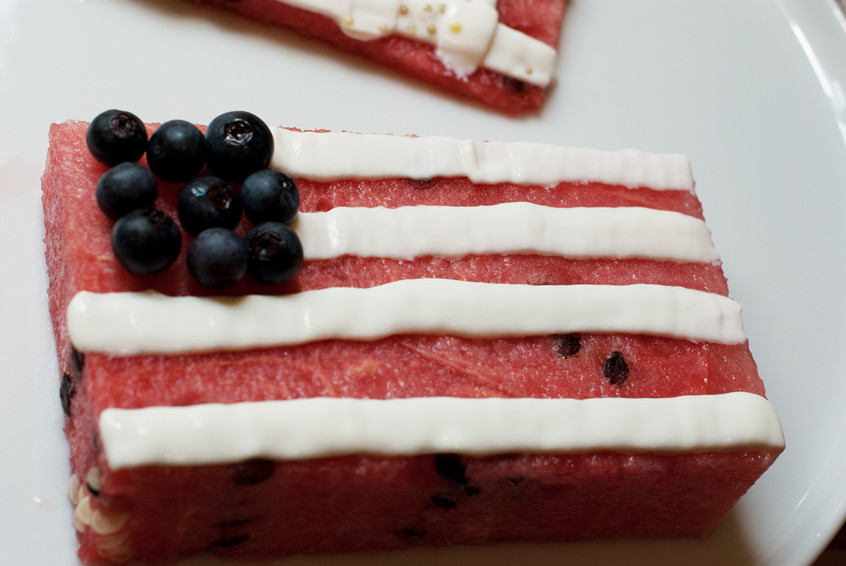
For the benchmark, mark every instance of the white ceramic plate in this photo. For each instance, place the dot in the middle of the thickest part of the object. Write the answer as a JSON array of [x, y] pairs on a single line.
[[752, 91]]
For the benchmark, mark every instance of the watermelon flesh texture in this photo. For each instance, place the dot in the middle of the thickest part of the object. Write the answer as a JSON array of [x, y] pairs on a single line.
[[261, 509], [540, 19]]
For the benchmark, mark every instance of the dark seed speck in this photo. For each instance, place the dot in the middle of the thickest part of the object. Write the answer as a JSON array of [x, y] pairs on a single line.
[[253, 471], [77, 362], [568, 345], [414, 533], [424, 183], [450, 467], [442, 502], [92, 490], [229, 541], [515, 85], [615, 369], [66, 392]]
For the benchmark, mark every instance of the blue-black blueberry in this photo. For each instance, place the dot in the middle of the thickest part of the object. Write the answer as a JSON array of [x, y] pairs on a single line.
[[238, 143], [217, 258], [208, 202], [275, 253], [125, 187], [146, 241], [176, 151], [115, 136], [269, 196]]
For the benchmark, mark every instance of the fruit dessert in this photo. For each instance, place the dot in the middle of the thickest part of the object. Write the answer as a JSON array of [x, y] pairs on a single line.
[[502, 53], [278, 341]]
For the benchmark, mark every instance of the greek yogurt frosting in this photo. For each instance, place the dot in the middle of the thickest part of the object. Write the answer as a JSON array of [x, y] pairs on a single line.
[[322, 427], [147, 323], [515, 227], [151, 323], [466, 34], [360, 156]]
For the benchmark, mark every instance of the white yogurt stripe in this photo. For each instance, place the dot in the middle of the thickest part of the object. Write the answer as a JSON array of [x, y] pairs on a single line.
[[466, 33], [519, 227], [328, 156], [135, 323], [324, 427], [532, 62]]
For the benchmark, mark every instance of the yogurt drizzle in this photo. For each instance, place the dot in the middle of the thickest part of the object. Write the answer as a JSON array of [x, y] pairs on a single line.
[[363, 156], [517, 227], [147, 323], [466, 33], [324, 427]]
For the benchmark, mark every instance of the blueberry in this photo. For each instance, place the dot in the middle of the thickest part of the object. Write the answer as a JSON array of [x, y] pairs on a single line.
[[217, 258], [115, 136], [176, 151], [274, 252], [208, 202], [125, 187], [269, 196], [238, 144], [145, 241]]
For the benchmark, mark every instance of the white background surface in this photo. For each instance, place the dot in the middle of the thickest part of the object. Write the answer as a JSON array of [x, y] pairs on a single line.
[[752, 91]]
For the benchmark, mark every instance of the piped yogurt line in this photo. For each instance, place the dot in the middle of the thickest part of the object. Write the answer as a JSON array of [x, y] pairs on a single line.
[[329, 156], [519, 227], [146, 323], [324, 427]]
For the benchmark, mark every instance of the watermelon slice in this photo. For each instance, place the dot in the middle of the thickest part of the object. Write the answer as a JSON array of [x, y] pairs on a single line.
[[500, 53], [436, 428]]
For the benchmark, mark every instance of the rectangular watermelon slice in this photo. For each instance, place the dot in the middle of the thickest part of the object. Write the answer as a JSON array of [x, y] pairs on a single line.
[[487, 342], [501, 53]]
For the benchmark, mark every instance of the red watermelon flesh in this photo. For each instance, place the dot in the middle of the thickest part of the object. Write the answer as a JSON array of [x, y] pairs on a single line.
[[540, 19], [367, 503]]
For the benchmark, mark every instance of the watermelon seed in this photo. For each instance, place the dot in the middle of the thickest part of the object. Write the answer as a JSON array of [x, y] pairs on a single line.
[[411, 532], [615, 369], [450, 467], [66, 392], [67, 389], [423, 183], [568, 345], [442, 502], [92, 480], [253, 471], [229, 541], [77, 362], [515, 85]]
